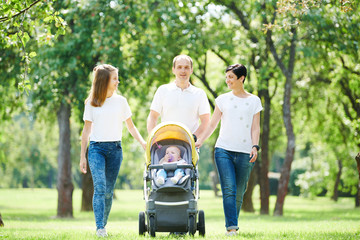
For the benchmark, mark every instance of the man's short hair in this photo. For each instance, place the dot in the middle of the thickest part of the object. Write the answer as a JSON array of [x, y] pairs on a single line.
[[183, 56]]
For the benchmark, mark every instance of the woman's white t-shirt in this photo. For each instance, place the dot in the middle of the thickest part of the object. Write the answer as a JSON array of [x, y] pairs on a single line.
[[236, 121], [107, 120]]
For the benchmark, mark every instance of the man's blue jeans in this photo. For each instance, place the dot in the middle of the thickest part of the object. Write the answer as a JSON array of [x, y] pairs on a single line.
[[234, 170], [104, 161]]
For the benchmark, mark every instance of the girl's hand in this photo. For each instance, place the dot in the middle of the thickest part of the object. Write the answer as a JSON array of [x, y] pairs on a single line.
[[143, 144], [83, 165]]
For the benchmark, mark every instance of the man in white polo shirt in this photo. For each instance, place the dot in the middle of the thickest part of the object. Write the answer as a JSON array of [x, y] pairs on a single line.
[[180, 101]]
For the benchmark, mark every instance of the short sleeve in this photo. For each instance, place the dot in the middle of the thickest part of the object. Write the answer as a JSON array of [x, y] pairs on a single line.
[[258, 106], [156, 104], [219, 103], [204, 104], [88, 115], [127, 111]]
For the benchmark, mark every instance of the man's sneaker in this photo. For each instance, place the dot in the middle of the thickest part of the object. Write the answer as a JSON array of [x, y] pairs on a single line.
[[101, 232], [183, 179], [160, 181]]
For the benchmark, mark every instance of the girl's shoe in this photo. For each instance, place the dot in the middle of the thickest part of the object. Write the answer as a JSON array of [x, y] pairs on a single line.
[[101, 232]]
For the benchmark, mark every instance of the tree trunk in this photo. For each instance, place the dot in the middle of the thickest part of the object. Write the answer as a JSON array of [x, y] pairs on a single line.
[[1, 221], [286, 168], [87, 188], [264, 163], [65, 186], [214, 182], [357, 199], [247, 205], [214, 176], [290, 149], [337, 181]]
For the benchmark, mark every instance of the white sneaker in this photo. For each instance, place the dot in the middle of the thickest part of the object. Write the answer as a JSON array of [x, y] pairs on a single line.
[[175, 179], [231, 233], [160, 181], [101, 232], [183, 179]]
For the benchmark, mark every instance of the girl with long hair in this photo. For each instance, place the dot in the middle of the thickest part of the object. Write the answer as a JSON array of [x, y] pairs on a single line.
[[105, 112]]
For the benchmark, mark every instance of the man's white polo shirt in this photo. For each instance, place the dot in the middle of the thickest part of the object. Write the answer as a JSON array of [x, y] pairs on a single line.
[[185, 106]]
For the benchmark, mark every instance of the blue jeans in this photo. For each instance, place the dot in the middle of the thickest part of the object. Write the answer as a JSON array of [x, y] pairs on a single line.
[[104, 161], [234, 170]]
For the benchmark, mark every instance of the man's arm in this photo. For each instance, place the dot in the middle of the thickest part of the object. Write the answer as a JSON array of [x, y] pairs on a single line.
[[205, 120], [152, 120]]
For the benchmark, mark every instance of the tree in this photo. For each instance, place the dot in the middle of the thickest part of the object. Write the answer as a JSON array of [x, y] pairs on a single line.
[[111, 34], [339, 49], [23, 20]]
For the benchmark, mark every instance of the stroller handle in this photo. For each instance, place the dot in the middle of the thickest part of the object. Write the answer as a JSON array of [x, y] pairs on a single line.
[[170, 166]]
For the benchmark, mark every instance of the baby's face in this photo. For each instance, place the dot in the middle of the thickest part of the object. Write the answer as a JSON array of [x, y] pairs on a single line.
[[173, 154]]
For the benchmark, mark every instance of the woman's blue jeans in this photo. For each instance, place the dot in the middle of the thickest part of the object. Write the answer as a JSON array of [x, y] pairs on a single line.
[[104, 161], [234, 170]]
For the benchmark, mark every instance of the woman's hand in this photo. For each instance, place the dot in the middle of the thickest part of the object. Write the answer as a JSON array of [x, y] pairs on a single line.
[[199, 143], [83, 165], [253, 155]]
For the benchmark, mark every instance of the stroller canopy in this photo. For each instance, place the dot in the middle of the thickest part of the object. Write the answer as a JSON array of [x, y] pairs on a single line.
[[171, 130]]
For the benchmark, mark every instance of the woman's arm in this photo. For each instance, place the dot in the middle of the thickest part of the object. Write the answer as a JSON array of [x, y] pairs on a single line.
[[213, 124], [255, 135], [134, 132], [84, 143]]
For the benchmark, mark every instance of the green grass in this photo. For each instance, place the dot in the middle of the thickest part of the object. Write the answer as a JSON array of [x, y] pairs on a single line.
[[30, 214]]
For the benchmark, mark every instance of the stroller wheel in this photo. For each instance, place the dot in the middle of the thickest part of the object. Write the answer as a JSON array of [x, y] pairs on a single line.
[[201, 223], [192, 228], [142, 226], [152, 226]]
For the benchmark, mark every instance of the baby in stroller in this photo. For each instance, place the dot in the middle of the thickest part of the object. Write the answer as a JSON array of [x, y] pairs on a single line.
[[172, 154], [172, 205]]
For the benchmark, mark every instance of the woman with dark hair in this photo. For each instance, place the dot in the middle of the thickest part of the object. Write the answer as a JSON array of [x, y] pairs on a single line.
[[237, 144], [105, 112]]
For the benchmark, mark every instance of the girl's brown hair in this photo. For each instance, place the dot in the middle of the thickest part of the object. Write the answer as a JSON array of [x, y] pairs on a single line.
[[100, 84]]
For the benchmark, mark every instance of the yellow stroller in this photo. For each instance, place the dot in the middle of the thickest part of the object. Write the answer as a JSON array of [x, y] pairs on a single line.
[[171, 207]]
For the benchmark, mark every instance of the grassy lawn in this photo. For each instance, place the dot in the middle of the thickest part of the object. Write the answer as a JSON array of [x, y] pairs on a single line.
[[29, 214]]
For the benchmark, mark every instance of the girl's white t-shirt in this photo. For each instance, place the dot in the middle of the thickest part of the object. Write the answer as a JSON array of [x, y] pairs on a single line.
[[236, 121], [107, 120]]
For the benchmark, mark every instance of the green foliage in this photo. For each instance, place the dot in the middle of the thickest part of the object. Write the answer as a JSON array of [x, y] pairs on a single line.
[[29, 157], [23, 20]]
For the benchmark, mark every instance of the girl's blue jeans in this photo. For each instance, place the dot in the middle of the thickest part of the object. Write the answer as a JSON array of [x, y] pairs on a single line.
[[234, 170], [104, 161]]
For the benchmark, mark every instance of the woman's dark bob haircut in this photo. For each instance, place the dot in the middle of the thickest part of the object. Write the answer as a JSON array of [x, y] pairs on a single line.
[[238, 69]]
